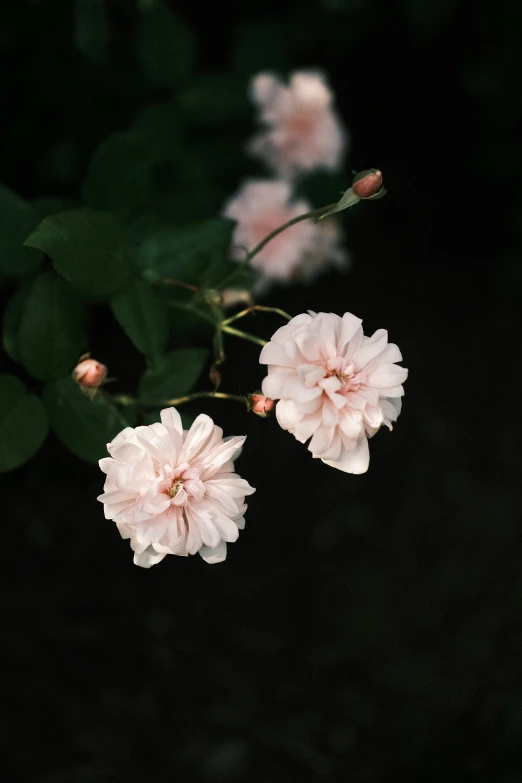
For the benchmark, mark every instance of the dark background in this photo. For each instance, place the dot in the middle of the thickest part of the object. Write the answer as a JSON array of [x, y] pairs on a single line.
[[363, 628]]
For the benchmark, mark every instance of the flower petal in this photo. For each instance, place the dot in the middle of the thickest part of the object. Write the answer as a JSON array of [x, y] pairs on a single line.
[[214, 555], [356, 461], [148, 558]]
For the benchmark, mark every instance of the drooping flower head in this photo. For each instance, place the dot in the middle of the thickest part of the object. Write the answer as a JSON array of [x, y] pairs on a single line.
[[262, 206], [334, 385], [302, 132], [173, 491]]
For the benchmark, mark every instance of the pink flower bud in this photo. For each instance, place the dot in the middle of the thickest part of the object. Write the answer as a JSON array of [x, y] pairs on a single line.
[[260, 405], [368, 183], [90, 374]]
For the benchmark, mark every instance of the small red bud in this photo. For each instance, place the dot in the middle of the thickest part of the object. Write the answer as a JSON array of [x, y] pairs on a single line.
[[260, 405], [367, 183], [90, 374]]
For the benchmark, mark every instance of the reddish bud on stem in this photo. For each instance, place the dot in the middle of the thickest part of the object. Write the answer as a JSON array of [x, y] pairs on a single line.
[[90, 374], [367, 183], [260, 405]]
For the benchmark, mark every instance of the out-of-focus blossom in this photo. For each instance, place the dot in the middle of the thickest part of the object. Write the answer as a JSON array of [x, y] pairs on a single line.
[[260, 405], [302, 131], [259, 208], [334, 385], [90, 374], [173, 491], [327, 251], [298, 252]]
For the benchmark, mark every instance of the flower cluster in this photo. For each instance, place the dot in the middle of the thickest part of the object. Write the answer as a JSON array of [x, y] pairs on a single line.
[[172, 491], [302, 134]]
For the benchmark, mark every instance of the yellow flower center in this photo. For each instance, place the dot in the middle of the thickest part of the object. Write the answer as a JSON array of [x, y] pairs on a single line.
[[173, 491]]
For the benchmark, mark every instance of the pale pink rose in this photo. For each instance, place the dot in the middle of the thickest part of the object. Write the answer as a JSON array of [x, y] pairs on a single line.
[[173, 491], [260, 207], [298, 253], [302, 132], [334, 385]]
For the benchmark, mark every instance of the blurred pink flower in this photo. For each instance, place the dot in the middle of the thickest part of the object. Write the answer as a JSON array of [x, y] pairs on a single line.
[[334, 385], [327, 250], [299, 252], [303, 132], [173, 491]]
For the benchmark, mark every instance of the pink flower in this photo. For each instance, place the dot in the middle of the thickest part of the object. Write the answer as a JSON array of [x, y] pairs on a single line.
[[259, 208], [334, 385], [262, 206], [173, 491], [303, 132]]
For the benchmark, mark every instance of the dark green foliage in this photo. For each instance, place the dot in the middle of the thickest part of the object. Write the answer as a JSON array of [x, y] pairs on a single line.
[[51, 327], [17, 220], [144, 318], [88, 247], [176, 375], [23, 423], [85, 426]]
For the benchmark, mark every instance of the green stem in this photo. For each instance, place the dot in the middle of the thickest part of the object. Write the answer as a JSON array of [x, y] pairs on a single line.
[[125, 399], [315, 213], [244, 335], [200, 395], [254, 308]]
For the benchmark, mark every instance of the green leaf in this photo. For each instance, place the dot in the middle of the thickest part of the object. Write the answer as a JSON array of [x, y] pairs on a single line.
[[91, 29], [348, 199], [52, 328], [50, 205], [87, 247], [186, 254], [159, 130], [17, 220], [118, 178], [11, 323], [144, 317], [23, 423], [166, 46], [176, 376], [85, 426], [215, 97]]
